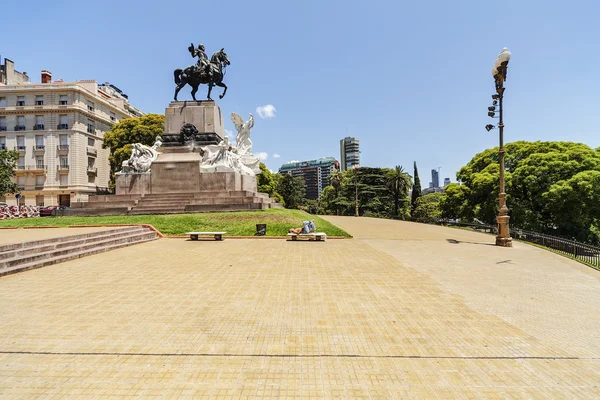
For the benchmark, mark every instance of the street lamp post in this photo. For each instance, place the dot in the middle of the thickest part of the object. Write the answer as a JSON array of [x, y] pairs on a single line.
[[499, 73]]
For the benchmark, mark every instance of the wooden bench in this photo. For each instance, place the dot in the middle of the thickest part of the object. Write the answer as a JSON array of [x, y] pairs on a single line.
[[317, 236], [217, 235]]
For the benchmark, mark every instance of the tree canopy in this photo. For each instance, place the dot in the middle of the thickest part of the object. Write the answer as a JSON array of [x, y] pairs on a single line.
[[549, 185], [8, 164]]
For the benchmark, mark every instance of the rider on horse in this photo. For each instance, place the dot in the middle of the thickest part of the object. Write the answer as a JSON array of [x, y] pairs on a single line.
[[203, 64]]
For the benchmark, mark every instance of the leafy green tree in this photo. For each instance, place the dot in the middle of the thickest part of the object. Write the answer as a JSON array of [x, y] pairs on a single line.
[[455, 205], [292, 189], [8, 164], [335, 179], [398, 182], [267, 183], [123, 134], [428, 207], [416, 190], [533, 170], [374, 198]]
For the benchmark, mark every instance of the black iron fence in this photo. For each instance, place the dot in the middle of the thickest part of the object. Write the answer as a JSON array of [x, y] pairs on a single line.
[[583, 252]]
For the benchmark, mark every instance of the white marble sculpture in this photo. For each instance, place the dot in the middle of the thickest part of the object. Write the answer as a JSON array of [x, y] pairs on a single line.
[[238, 158], [142, 157]]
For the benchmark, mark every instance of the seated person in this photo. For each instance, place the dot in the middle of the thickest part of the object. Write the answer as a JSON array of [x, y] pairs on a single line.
[[307, 227]]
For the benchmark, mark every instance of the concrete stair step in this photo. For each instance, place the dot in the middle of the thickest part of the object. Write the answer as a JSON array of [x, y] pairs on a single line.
[[76, 240], [70, 256], [35, 243], [224, 207], [109, 241]]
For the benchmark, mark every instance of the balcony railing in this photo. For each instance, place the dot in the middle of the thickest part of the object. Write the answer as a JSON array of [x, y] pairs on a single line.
[[92, 151], [36, 167], [92, 170], [19, 127], [39, 102], [39, 147], [20, 103], [20, 148], [2, 146], [62, 103], [62, 126], [62, 167], [62, 147], [2, 129], [38, 127]]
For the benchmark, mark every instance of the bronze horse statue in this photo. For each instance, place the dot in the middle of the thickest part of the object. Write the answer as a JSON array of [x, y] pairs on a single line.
[[194, 77]]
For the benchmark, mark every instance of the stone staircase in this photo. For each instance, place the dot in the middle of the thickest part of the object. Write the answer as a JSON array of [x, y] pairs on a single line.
[[175, 203], [17, 257]]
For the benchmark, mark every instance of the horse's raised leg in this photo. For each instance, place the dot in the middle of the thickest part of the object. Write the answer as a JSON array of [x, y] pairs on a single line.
[[210, 85], [221, 84]]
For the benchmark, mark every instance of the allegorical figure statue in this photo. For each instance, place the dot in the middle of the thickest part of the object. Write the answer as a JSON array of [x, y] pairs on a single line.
[[142, 157], [206, 72], [243, 142]]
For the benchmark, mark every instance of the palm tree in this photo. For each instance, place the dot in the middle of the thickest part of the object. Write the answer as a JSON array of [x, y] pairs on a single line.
[[399, 183]]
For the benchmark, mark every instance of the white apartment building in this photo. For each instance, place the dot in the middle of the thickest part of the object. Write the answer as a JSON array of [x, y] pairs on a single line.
[[58, 128]]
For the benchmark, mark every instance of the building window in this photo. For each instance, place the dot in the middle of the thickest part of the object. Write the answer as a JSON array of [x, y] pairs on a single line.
[[64, 122], [2, 123], [21, 163], [20, 142], [2, 142], [64, 163], [39, 123], [91, 142], [90, 106], [39, 100], [64, 180], [91, 162], [63, 100], [64, 142], [90, 127], [2, 101], [112, 116], [39, 199], [39, 162], [39, 142], [91, 178], [20, 123], [20, 100]]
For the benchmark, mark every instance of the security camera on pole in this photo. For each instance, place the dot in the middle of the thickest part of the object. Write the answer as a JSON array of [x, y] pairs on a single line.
[[499, 73]]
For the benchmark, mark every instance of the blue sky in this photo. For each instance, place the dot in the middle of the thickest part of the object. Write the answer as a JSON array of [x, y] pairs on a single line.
[[412, 80]]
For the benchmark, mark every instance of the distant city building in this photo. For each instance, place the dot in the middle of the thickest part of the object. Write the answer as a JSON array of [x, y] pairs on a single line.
[[435, 178], [349, 153], [58, 128], [446, 181], [315, 173], [431, 190]]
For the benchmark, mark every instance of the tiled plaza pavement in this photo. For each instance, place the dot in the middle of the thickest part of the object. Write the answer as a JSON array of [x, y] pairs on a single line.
[[363, 318]]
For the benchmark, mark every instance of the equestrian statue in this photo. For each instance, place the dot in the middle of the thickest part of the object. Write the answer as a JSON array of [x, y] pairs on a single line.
[[205, 72]]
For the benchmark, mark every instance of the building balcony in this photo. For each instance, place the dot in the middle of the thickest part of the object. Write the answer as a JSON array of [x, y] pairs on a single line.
[[92, 171], [62, 148], [63, 103], [62, 126], [39, 168], [38, 127], [3, 146], [39, 148], [91, 130], [20, 148], [20, 103], [2, 129], [62, 167], [92, 151], [19, 127]]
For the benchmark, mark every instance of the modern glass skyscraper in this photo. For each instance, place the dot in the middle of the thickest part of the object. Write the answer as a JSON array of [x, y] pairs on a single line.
[[349, 153]]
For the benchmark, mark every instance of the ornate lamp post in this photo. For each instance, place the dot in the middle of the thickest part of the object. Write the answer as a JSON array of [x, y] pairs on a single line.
[[499, 73]]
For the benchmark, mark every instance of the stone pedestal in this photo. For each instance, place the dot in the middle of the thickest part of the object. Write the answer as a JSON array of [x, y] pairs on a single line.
[[205, 115]]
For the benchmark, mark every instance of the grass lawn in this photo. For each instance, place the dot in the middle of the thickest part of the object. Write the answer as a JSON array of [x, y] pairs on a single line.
[[241, 223]]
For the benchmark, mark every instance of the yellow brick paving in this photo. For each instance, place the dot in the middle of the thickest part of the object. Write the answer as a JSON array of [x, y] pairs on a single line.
[[271, 319]]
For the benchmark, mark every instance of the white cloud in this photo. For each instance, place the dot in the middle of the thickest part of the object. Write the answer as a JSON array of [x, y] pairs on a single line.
[[293, 161], [275, 155], [267, 111], [262, 156]]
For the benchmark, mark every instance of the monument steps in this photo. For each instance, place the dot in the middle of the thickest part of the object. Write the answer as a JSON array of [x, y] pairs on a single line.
[[37, 254]]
